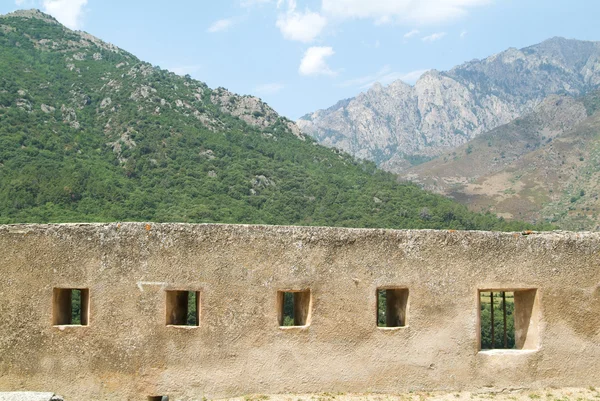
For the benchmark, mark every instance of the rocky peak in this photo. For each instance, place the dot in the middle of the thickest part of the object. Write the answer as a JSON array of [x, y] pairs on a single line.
[[376, 88], [399, 85], [444, 110], [79, 46], [33, 13], [250, 109]]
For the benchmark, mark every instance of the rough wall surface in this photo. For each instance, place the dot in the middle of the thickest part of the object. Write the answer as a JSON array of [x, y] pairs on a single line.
[[128, 352]]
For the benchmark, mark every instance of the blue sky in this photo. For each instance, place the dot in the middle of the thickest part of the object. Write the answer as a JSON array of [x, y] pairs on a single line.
[[303, 55]]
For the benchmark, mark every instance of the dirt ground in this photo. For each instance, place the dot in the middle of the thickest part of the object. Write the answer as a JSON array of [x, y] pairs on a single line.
[[564, 394]]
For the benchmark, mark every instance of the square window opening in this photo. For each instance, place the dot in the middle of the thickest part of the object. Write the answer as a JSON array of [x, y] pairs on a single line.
[[508, 319], [70, 306], [294, 308], [391, 307], [183, 308]]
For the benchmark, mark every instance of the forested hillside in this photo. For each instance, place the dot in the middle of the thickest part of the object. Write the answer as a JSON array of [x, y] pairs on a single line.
[[88, 132]]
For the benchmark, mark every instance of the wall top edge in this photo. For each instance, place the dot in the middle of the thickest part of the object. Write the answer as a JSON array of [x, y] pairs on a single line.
[[250, 229]]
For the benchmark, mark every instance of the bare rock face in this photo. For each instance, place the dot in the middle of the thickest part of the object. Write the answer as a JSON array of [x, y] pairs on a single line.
[[105, 102], [47, 109], [143, 92], [250, 109], [70, 116], [33, 13], [400, 123]]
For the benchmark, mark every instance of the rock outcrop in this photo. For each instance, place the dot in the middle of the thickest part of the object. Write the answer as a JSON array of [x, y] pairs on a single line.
[[402, 124], [250, 109]]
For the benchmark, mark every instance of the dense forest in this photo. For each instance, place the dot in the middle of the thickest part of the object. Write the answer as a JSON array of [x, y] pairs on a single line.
[[89, 133]]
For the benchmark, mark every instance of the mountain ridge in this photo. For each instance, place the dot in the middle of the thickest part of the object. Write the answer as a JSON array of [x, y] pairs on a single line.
[[250, 108], [443, 110]]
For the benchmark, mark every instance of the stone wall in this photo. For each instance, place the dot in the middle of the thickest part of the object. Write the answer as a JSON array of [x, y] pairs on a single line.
[[127, 351]]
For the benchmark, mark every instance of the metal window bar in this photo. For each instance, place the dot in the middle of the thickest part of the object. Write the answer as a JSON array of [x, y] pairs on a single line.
[[504, 313], [492, 318], [492, 296]]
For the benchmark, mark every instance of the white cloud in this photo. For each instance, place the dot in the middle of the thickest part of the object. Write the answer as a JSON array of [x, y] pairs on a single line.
[[463, 34], [433, 37], [221, 25], [411, 11], [67, 12], [20, 2], [412, 33], [269, 89], [300, 26], [384, 76], [386, 19], [185, 69], [313, 62]]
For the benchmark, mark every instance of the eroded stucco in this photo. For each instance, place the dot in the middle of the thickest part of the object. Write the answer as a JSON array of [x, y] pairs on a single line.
[[128, 352]]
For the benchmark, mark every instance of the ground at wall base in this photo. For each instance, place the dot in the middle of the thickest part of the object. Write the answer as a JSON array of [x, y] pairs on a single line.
[[561, 394], [29, 396], [551, 394]]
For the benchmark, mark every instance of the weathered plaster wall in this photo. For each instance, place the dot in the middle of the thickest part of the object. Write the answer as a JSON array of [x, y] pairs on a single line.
[[128, 352]]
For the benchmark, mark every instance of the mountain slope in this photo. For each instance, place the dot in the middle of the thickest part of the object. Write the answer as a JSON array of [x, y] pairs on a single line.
[[544, 166], [401, 124], [88, 132]]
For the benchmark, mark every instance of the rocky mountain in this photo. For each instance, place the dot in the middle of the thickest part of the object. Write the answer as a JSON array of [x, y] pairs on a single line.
[[88, 132], [542, 167], [400, 124]]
